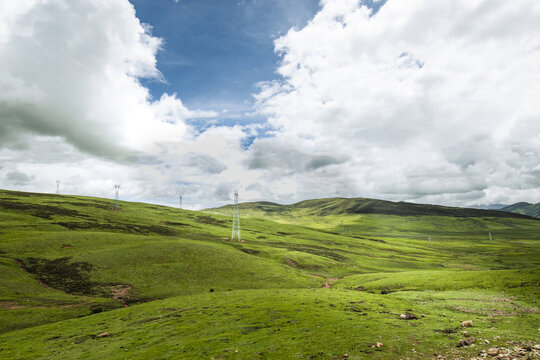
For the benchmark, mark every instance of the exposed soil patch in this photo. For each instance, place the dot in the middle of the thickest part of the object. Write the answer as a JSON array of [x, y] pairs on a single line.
[[292, 262], [73, 278], [127, 228], [10, 305], [161, 230], [248, 251], [41, 211], [328, 283], [61, 274], [447, 331], [120, 293], [205, 219]]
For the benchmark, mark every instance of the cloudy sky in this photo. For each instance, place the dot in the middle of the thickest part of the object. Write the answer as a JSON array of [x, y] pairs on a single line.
[[432, 101]]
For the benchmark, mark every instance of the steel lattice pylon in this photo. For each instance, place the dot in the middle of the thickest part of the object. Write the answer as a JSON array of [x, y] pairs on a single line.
[[116, 190], [236, 220]]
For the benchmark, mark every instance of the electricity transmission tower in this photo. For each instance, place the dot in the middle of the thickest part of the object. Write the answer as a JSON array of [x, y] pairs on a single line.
[[236, 220], [180, 201], [58, 186], [116, 190]]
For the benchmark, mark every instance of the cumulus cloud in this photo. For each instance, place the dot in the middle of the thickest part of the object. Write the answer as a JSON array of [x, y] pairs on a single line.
[[278, 154], [71, 69], [431, 100], [204, 162]]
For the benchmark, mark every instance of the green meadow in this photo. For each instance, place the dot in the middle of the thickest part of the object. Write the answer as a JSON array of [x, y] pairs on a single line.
[[321, 279]]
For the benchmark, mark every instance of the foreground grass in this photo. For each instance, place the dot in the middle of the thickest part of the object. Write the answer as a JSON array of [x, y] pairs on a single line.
[[278, 324], [193, 294]]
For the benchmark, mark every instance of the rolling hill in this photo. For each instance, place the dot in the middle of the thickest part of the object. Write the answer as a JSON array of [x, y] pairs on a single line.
[[337, 206], [321, 279], [524, 208]]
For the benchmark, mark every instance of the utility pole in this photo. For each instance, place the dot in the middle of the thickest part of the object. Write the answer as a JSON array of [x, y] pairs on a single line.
[[58, 186], [180, 201], [236, 220], [116, 190], [429, 240], [490, 236]]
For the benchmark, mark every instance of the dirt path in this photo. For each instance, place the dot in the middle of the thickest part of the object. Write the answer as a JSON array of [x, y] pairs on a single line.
[[328, 283], [10, 305]]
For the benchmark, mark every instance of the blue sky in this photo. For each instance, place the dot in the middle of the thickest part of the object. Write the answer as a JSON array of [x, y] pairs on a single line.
[[215, 51]]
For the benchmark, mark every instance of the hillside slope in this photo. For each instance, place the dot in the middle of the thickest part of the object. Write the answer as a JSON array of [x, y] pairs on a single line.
[[290, 324], [169, 283], [337, 206], [524, 208]]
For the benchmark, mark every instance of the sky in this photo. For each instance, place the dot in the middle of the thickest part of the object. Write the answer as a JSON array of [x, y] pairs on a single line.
[[428, 101]]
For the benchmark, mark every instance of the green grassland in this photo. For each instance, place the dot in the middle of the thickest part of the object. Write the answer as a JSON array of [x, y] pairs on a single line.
[[168, 283]]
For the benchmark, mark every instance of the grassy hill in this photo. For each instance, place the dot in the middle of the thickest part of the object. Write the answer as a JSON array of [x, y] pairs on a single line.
[[168, 283], [343, 206], [524, 208]]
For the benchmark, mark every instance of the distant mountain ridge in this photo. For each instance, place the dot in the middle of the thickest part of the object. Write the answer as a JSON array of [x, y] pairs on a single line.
[[489, 206], [524, 208], [336, 206]]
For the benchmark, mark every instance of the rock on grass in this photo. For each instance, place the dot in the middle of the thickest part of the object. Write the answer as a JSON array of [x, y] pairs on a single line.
[[466, 342]]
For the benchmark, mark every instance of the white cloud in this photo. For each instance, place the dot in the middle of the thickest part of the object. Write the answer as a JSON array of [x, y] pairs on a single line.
[[430, 100], [72, 69]]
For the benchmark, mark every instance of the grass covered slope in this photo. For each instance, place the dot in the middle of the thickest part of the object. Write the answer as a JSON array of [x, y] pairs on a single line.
[[338, 206], [79, 254], [70, 264], [285, 324], [524, 209]]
